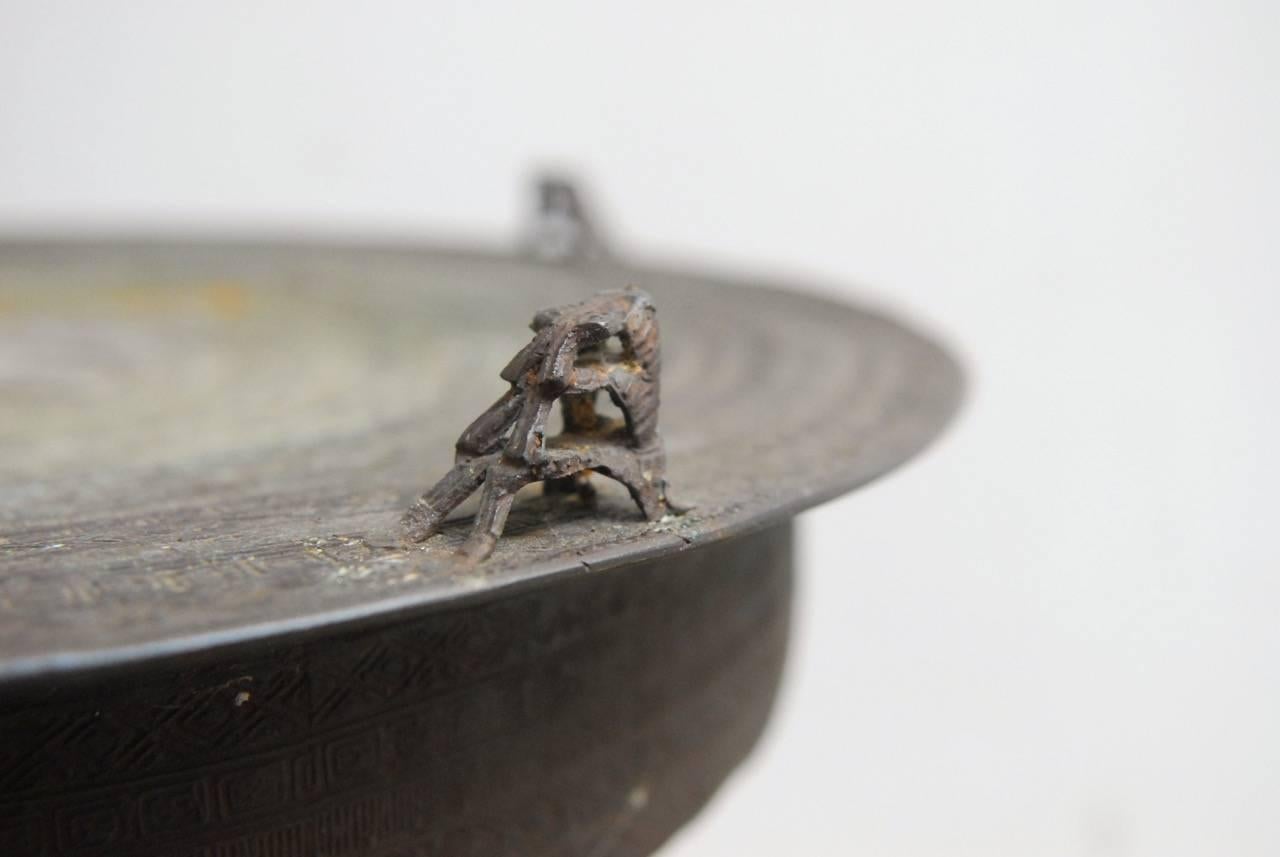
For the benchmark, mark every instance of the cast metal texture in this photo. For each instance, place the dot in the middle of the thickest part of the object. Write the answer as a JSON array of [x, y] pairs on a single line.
[[205, 648], [587, 717], [199, 439], [605, 344]]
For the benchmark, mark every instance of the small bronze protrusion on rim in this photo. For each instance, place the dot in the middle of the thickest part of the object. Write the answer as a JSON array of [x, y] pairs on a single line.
[[606, 343]]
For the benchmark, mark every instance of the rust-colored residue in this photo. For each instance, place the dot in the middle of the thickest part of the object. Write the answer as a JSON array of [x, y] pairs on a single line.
[[223, 299], [229, 301], [569, 360]]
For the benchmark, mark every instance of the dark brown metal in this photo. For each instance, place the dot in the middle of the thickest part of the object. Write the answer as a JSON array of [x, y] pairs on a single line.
[[590, 718], [609, 344], [206, 652], [200, 439]]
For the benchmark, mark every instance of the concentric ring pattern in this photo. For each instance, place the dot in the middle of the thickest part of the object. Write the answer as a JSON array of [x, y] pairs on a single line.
[[198, 437]]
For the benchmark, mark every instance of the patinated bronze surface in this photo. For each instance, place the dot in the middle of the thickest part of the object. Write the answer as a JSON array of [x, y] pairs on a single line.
[[206, 650], [199, 439], [569, 361], [589, 718]]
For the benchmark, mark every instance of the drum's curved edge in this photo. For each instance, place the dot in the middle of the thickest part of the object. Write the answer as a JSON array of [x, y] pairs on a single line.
[[602, 712], [931, 411]]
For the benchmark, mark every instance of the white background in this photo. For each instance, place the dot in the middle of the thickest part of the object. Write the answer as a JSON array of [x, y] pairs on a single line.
[[1056, 633]]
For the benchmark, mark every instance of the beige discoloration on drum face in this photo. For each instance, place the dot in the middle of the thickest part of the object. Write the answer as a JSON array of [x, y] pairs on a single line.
[[161, 373]]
